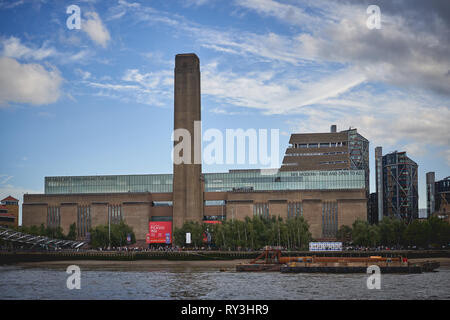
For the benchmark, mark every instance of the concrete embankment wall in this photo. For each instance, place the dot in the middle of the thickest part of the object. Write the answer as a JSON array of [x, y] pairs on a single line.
[[16, 257]]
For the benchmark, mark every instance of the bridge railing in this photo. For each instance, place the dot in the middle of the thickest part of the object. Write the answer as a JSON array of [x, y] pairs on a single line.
[[14, 236]]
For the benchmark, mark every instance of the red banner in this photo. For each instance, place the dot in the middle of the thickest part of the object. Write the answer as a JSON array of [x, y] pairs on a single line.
[[160, 232]]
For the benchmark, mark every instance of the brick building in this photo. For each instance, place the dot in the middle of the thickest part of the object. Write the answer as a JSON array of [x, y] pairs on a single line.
[[9, 212], [326, 196]]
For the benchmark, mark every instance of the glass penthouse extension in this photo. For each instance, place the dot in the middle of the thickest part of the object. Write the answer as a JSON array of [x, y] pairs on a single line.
[[156, 183], [214, 182]]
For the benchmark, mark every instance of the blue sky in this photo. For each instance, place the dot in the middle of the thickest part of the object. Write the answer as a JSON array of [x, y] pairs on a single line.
[[99, 100]]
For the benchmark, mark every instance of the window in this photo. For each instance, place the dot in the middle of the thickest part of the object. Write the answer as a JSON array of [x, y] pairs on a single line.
[[83, 220], [162, 203], [214, 202], [261, 210], [329, 219], [53, 217], [115, 213], [294, 209]]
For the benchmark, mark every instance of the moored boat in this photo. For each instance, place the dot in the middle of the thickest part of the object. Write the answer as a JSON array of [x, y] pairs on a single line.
[[271, 260]]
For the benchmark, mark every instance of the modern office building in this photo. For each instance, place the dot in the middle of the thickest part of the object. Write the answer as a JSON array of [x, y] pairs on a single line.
[[438, 196], [431, 204], [372, 214], [442, 195], [379, 181], [326, 198], [398, 185], [9, 212]]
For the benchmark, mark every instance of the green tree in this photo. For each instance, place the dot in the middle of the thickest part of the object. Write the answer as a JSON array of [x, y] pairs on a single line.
[[374, 235], [257, 232], [196, 230], [418, 233], [344, 234], [439, 232], [119, 232], [391, 231], [72, 235], [364, 234]]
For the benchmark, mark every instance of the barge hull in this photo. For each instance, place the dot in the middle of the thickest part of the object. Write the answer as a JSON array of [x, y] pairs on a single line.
[[258, 267], [349, 269]]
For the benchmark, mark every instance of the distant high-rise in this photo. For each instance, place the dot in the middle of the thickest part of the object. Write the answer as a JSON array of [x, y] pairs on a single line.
[[372, 214], [187, 177], [438, 196], [379, 181], [399, 188], [431, 205]]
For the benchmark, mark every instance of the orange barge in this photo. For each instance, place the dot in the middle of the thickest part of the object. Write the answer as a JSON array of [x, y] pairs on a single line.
[[271, 260]]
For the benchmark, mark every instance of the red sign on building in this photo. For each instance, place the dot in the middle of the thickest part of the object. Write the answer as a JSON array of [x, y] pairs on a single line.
[[160, 232]]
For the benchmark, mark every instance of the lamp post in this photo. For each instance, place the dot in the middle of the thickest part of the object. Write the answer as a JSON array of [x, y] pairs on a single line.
[[109, 229]]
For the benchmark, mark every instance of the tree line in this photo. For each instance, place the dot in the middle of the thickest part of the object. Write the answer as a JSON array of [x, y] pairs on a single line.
[[251, 233], [391, 232], [119, 232], [55, 233]]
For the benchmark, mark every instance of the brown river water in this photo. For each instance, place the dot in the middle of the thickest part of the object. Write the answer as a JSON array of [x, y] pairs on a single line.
[[155, 281]]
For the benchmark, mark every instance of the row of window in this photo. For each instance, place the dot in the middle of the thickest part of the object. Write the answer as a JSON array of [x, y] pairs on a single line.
[[258, 180], [333, 162], [319, 145], [10, 203], [315, 154]]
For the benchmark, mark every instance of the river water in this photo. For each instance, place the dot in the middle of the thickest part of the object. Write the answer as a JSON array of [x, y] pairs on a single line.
[[42, 283]]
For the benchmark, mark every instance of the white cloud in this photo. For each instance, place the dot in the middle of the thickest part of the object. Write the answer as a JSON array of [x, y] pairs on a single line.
[[446, 154], [28, 83], [394, 120], [400, 53], [197, 3], [11, 4], [111, 86], [13, 48], [80, 56], [95, 29], [85, 75], [265, 91], [4, 178], [146, 80], [285, 12], [136, 86]]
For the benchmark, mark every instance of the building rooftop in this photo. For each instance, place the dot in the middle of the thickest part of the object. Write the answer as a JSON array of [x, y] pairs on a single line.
[[9, 198]]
